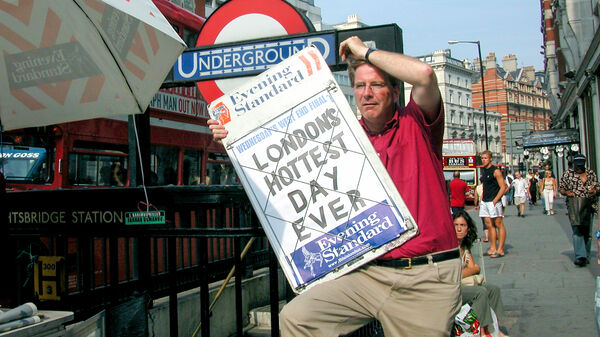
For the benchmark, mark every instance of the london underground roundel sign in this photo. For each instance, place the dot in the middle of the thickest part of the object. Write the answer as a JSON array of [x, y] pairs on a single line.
[[240, 20]]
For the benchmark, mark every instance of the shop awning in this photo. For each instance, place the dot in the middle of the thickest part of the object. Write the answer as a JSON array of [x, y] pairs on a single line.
[[551, 138]]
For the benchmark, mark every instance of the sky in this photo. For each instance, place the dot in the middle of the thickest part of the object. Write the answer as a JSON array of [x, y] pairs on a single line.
[[503, 27]]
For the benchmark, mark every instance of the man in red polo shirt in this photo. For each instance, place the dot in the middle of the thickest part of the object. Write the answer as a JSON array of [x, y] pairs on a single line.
[[458, 190], [414, 289]]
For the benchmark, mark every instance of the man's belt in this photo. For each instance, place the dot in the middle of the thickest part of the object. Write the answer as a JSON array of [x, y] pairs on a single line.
[[409, 262]]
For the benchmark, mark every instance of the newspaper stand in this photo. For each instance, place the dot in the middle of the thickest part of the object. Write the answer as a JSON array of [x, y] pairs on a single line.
[[324, 198]]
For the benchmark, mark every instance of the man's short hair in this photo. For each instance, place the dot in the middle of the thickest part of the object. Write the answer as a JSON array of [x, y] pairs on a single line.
[[486, 152], [354, 64], [456, 174]]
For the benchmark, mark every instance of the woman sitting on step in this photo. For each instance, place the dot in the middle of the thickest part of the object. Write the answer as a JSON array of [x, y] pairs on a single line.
[[482, 296]]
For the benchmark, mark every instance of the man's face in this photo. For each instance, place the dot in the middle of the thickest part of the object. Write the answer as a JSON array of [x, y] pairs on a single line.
[[518, 175], [375, 97], [486, 159]]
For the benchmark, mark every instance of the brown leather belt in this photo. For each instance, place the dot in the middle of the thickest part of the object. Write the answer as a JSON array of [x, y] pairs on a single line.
[[409, 262]]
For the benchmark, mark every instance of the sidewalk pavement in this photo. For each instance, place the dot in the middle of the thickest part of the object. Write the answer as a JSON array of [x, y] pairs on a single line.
[[544, 293]]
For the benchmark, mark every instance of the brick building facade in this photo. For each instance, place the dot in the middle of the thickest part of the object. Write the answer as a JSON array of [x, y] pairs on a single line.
[[518, 94]]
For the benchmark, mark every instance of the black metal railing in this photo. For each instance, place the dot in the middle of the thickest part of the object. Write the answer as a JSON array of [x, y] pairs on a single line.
[[107, 261]]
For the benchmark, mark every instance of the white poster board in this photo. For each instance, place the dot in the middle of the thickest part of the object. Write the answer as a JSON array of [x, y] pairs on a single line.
[[323, 197]]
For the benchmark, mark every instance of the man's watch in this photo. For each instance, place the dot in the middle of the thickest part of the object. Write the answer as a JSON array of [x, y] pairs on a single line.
[[598, 234], [369, 51]]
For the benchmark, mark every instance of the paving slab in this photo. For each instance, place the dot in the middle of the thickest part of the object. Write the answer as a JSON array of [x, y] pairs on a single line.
[[544, 294]]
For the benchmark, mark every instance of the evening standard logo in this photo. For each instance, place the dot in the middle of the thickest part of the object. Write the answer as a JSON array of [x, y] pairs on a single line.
[[274, 84], [222, 114], [370, 229], [310, 259]]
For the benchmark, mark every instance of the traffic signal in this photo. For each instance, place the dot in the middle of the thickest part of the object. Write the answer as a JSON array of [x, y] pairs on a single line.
[[521, 167]]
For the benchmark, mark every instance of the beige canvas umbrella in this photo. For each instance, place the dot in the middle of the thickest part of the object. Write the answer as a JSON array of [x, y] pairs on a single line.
[[67, 60]]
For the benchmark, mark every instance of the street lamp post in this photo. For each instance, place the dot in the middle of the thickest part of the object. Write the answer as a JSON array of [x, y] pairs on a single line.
[[482, 87]]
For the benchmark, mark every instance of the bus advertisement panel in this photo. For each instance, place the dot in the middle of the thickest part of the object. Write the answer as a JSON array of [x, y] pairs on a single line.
[[460, 155]]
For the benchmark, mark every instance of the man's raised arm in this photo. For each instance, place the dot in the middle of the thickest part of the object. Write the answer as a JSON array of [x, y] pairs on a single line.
[[420, 75]]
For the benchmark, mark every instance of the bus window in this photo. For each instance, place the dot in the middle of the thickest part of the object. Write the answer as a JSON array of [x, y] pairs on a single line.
[[97, 164], [448, 175], [163, 164], [25, 164], [467, 175], [192, 167], [27, 159], [220, 171]]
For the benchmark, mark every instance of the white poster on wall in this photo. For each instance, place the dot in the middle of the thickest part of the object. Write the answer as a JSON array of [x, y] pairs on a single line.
[[325, 200]]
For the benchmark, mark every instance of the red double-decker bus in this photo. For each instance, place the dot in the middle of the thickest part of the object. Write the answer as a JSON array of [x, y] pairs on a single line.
[[460, 155], [94, 153]]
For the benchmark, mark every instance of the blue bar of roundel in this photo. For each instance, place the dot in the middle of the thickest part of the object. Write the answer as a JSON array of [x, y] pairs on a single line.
[[233, 69], [370, 229]]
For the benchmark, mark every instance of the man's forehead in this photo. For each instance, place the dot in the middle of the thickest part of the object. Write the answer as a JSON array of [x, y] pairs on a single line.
[[368, 72]]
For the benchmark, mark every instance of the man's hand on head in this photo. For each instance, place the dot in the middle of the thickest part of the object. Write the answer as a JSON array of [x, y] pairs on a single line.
[[354, 48]]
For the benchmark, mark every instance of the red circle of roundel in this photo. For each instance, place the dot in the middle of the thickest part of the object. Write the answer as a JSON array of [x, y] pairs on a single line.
[[278, 10]]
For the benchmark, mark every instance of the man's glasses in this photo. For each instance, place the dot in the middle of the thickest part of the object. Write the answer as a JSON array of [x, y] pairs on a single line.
[[375, 86]]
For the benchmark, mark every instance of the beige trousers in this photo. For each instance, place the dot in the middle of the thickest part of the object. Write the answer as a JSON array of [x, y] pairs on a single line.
[[421, 301]]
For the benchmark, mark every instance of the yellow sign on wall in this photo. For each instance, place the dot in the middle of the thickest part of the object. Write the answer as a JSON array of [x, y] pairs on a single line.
[[49, 276]]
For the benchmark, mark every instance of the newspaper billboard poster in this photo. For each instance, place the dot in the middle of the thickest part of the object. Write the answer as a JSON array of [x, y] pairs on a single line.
[[325, 200]]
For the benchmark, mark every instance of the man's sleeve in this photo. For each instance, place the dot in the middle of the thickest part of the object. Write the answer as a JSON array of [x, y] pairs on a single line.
[[594, 179], [435, 129]]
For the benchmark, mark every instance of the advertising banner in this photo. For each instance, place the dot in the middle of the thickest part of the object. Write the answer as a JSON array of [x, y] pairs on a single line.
[[318, 187]]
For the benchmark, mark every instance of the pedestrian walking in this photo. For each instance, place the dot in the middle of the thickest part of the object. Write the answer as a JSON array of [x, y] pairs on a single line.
[[549, 186], [521, 187], [491, 205], [458, 191], [580, 185], [511, 190], [533, 189]]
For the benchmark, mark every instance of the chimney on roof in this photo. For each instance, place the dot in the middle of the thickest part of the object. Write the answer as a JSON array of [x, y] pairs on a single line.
[[529, 72], [490, 61], [353, 18], [509, 63]]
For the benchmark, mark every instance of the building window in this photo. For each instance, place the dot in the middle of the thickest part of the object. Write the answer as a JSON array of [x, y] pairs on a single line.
[[98, 164], [192, 167], [163, 164], [220, 171]]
